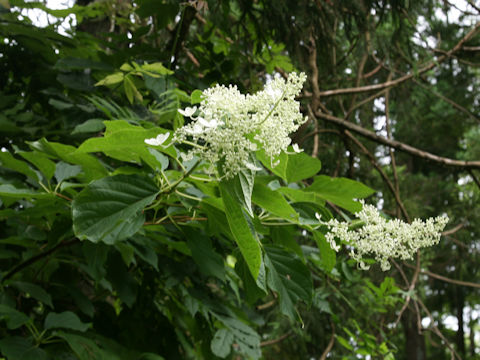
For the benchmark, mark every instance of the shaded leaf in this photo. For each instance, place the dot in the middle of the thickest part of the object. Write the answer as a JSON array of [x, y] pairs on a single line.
[[65, 320]]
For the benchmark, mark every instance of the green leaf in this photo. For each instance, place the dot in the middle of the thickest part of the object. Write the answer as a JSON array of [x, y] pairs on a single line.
[[273, 202], [327, 254], [297, 195], [85, 348], [289, 277], [241, 230], [10, 191], [65, 320], [245, 337], [131, 90], [45, 165], [196, 97], [340, 191], [221, 344], [240, 188], [35, 291], [12, 317], [110, 209], [280, 169], [64, 171], [157, 68], [126, 142], [89, 126], [8, 161], [301, 166], [207, 259], [112, 79], [19, 348], [92, 168]]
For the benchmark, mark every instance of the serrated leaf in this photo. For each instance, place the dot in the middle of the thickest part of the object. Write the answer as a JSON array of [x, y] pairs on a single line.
[[340, 191], [245, 337], [289, 277], [240, 187], [65, 320], [221, 344], [241, 231], [110, 209]]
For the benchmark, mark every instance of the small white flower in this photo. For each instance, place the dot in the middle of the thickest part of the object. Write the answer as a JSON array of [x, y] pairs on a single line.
[[296, 148], [252, 167], [273, 93], [384, 239], [159, 140], [188, 112], [209, 124], [196, 130]]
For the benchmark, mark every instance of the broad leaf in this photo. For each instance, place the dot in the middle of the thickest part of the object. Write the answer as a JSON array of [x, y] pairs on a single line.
[[19, 348], [242, 231], [12, 317], [340, 191], [35, 291], [221, 344], [327, 254], [110, 209], [273, 202], [65, 320], [289, 277], [301, 166]]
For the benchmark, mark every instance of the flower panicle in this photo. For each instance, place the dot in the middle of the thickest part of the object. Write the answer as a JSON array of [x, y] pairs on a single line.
[[384, 239], [229, 125]]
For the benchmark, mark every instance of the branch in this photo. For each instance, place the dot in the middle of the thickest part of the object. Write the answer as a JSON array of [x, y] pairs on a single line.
[[274, 341], [35, 258], [382, 174], [404, 78], [399, 145], [448, 280], [330, 343]]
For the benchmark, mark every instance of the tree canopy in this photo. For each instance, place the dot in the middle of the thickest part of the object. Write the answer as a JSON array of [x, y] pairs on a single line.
[[212, 179]]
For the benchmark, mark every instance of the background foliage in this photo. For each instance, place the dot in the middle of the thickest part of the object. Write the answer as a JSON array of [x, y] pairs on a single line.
[[112, 250]]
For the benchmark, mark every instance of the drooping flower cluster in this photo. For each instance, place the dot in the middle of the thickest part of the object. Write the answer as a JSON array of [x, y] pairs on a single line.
[[384, 239], [228, 125]]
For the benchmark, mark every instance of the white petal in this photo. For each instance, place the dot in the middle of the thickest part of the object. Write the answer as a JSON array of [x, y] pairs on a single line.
[[188, 111], [159, 140], [252, 166], [151, 141], [296, 148]]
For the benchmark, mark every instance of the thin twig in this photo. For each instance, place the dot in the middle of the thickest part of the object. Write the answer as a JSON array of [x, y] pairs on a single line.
[[330, 343], [275, 341], [429, 66], [382, 174], [448, 280], [399, 145]]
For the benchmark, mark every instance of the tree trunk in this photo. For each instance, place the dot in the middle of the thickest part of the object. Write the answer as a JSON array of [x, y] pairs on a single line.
[[414, 341]]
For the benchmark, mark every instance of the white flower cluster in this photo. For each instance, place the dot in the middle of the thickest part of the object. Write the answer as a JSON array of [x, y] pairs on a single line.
[[228, 125], [385, 239]]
